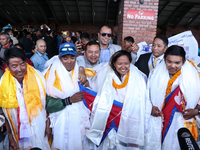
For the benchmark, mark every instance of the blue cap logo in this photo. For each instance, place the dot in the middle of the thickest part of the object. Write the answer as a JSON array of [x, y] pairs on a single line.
[[67, 49]]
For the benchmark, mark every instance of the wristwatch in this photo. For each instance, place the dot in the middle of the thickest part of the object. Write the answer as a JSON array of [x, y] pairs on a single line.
[[198, 110]]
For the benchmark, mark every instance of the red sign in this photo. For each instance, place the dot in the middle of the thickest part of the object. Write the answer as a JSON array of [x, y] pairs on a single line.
[[140, 14]]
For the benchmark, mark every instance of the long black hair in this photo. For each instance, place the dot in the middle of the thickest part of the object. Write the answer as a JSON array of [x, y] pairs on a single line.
[[114, 58]]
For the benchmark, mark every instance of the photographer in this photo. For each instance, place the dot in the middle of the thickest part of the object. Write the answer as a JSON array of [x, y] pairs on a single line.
[[50, 38]]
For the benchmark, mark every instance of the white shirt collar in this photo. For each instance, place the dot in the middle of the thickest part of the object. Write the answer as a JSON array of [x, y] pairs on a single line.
[[160, 57]]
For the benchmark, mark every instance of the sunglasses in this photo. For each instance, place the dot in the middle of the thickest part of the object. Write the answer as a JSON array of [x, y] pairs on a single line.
[[64, 49], [108, 34]]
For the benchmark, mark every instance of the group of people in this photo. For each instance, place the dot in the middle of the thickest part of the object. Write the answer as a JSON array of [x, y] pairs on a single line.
[[107, 99]]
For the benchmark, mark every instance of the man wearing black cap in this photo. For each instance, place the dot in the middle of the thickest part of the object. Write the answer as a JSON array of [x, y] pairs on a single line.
[[68, 116]]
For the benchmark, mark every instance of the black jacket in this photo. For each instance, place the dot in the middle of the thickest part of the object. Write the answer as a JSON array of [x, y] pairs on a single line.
[[142, 63], [27, 43], [51, 44]]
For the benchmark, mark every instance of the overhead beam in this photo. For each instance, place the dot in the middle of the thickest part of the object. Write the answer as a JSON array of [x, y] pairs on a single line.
[[107, 7], [79, 11], [182, 16], [161, 11], [29, 11], [52, 11], [93, 13], [192, 20], [42, 11], [198, 27], [16, 11], [172, 15], [66, 12], [3, 22], [7, 15]]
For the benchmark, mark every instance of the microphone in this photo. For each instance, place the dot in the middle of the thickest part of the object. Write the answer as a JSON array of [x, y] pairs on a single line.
[[186, 140]]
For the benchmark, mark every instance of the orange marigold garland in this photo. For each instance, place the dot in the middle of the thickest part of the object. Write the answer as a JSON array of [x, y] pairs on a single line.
[[115, 85]]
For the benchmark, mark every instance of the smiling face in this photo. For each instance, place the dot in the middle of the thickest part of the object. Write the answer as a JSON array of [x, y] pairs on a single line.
[[158, 47], [68, 61], [17, 68], [4, 40], [173, 63], [122, 65], [104, 40], [92, 54]]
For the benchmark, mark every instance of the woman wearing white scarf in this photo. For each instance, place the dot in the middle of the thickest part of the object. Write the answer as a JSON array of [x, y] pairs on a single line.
[[131, 94], [188, 81]]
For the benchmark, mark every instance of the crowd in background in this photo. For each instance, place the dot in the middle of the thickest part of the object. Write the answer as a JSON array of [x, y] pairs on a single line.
[[27, 38], [75, 90]]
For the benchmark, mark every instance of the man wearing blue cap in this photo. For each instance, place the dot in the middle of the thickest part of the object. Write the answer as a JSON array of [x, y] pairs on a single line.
[[68, 119]]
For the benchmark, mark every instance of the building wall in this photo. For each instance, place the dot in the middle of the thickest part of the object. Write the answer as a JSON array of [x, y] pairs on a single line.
[[141, 30], [120, 23]]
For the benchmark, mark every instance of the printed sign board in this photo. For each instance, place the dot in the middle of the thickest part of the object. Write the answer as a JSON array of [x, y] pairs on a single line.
[[140, 14], [184, 39]]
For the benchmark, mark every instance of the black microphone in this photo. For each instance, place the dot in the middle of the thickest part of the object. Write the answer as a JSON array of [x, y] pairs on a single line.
[[186, 140]]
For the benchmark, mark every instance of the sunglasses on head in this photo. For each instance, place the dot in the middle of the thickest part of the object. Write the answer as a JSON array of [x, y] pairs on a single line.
[[64, 49], [108, 34]]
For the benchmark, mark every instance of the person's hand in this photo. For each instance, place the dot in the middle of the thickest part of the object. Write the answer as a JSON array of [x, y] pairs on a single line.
[[134, 48], [41, 26], [190, 113], [76, 97], [81, 75], [155, 111], [78, 45], [1, 128], [12, 144], [86, 84], [46, 26], [48, 130]]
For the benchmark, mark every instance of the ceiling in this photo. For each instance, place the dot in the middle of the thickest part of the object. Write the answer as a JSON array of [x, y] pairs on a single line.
[[70, 11], [179, 12], [171, 12]]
